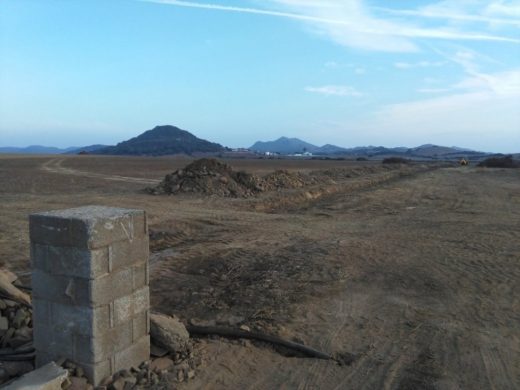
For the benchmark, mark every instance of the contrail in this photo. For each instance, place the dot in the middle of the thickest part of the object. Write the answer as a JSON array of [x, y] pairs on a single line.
[[257, 11], [398, 31], [446, 15]]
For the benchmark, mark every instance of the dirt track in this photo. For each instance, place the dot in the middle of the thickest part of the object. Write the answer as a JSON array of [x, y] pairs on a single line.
[[56, 166], [418, 277]]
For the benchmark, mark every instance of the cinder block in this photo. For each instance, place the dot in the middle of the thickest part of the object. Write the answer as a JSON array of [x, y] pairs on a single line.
[[140, 325], [140, 223], [111, 286], [90, 288], [43, 358], [82, 292], [59, 231], [141, 299], [42, 312], [95, 349], [70, 261], [129, 252], [88, 227], [53, 342], [96, 372], [87, 321], [60, 289], [134, 355], [127, 307], [140, 276]]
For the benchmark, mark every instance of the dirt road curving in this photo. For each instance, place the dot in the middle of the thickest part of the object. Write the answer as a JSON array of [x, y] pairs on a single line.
[[55, 165]]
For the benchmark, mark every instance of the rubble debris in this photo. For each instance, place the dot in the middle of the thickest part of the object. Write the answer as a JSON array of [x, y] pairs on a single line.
[[285, 179], [157, 351], [161, 373], [208, 176], [175, 361], [212, 177], [10, 276], [8, 290], [16, 350], [14, 369]]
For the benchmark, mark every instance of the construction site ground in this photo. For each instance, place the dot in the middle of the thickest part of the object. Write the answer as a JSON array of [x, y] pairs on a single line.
[[415, 271]]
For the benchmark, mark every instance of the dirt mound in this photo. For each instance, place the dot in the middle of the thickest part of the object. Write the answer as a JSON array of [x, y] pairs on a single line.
[[212, 177], [284, 179]]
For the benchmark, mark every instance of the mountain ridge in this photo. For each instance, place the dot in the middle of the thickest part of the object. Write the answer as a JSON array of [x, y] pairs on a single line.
[[162, 140], [285, 145], [168, 140]]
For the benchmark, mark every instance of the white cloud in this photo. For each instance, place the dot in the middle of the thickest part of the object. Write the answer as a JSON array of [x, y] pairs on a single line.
[[335, 90], [360, 71], [420, 64], [474, 112], [500, 84], [350, 23], [483, 107], [504, 8], [455, 11]]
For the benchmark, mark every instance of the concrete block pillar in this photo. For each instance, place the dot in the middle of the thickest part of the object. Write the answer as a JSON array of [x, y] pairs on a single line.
[[90, 288]]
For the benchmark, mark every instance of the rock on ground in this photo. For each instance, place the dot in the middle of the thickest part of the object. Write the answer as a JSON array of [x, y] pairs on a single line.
[[170, 333], [48, 377]]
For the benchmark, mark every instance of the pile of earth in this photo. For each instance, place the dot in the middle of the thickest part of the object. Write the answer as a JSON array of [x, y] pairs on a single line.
[[16, 350], [212, 177]]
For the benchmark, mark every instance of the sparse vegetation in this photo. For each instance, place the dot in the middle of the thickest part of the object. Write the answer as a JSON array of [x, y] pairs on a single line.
[[396, 160], [500, 162]]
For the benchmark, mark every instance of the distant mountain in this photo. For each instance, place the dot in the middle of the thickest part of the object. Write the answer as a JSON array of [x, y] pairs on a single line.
[[284, 145], [369, 151], [87, 149], [162, 140], [35, 149], [166, 140], [434, 150], [330, 149], [444, 152]]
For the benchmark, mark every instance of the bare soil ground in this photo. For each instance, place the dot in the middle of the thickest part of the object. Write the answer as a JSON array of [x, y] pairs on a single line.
[[414, 271]]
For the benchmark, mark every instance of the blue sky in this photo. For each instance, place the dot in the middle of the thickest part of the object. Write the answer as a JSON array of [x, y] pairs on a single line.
[[350, 73]]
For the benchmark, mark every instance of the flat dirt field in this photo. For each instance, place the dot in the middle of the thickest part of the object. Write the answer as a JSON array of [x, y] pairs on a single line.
[[415, 271]]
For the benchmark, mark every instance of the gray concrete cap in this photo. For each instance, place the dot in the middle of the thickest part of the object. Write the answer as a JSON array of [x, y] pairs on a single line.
[[88, 227]]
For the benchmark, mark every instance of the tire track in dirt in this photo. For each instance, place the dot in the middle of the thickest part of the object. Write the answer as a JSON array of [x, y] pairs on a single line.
[[55, 165], [464, 265], [426, 297]]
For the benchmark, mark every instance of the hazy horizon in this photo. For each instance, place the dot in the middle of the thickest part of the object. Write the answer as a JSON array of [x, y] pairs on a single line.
[[248, 146], [349, 73]]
